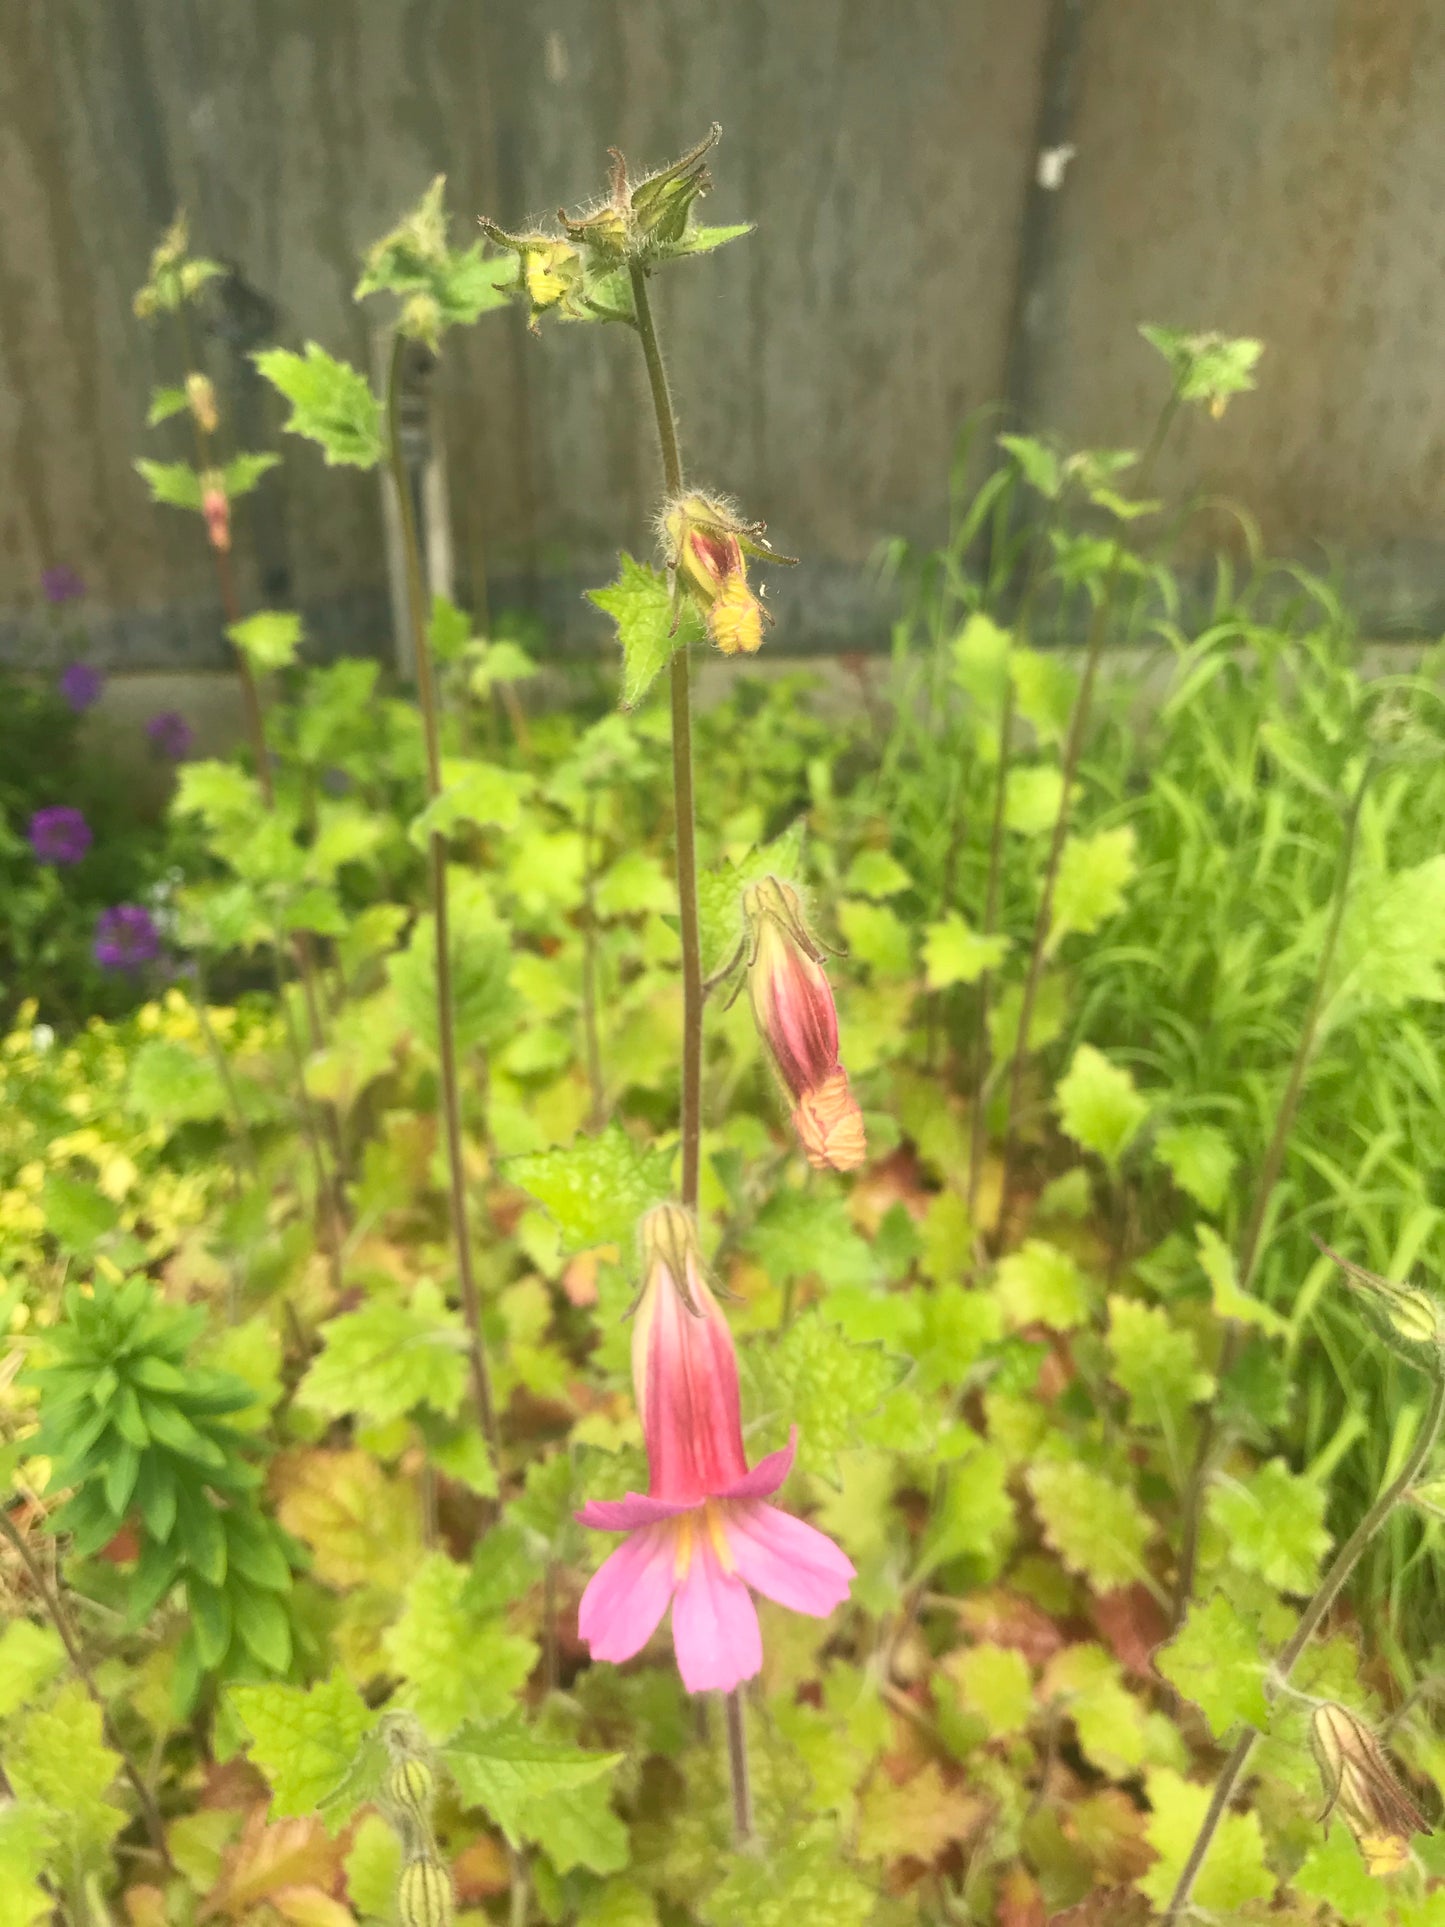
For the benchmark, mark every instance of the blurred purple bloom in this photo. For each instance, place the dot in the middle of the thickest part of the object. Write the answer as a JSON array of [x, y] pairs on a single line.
[[170, 734], [62, 584], [59, 834], [126, 937], [81, 684], [335, 782]]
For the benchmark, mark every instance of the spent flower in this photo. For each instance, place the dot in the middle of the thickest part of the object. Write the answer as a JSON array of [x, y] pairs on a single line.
[[793, 1006], [703, 1539], [59, 834], [707, 547], [1360, 1785]]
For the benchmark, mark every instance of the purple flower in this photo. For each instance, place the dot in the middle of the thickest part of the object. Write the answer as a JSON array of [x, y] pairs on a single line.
[[59, 834], [81, 684], [171, 735], [62, 584], [126, 938]]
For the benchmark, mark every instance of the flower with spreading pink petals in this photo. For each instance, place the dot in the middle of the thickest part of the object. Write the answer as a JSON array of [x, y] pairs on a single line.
[[798, 1020], [703, 1540]]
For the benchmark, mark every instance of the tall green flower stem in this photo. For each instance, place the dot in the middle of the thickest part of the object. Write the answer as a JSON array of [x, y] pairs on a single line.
[[1073, 750], [685, 815], [50, 1598], [437, 856], [1269, 1172], [1330, 1587]]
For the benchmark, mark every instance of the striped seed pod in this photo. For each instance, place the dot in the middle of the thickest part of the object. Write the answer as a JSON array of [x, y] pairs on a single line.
[[408, 1795], [424, 1898]]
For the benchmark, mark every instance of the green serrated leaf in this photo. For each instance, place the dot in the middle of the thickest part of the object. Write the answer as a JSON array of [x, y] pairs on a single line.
[[243, 472], [1094, 872], [1214, 1659], [1234, 1872], [387, 1359], [510, 1770], [955, 953], [484, 794], [331, 403], [170, 1085], [1095, 1525], [595, 1189], [1272, 1523], [1230, 1301], [457, 1664], [819, 1379], [1099, 1106], [1200, 1159], [303, 1740], [269, 639], [641, 604], [1156, 1362], [175, 483], [1041, 1285], [30, 1657]]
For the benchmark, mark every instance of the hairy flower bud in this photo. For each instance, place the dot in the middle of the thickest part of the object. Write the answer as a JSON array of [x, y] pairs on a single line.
[[549, 272], [201, 395], [408, 1794], [707, 548], [1411, 1314], [424, 1897], [798, 1021], [216, 507], [1360, 1785]]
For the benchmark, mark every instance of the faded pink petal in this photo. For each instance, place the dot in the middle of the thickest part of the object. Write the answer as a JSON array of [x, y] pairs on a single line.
[[627, 1595], [627, 1514], [714, 1623], [767, 1475], [786, 1559], [831, 1125]]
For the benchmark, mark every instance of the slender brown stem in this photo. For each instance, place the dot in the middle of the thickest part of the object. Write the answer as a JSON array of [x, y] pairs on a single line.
[[437, 852], [598, 1090], [1329, 1589], [1073, 750], [1269, 1172], [60, 1619], [325, 1189], [684, 813]]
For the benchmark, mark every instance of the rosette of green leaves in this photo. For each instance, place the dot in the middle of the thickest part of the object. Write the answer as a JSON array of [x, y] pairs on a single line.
[[137, 1432]]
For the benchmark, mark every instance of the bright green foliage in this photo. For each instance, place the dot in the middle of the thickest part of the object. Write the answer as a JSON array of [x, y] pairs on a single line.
[[1099, 1106], [458, 1664], [303, 1741], [24, 1844], [1094, 873], [373, 1869], [58, 1764], [1199, 1158], [1272, 1522], [331, 404], [981, 660], [1235, 1871], [801, 1233], [138, 1432], [804, 1880], [243, 473], [1215, 1660], [484, 1004], [1041, 1285], [818, 1379], [442, 288], [1334, 1872], [720, 893], [176, 484], [1392, 941], [388, 1358], [1087, 1684], [1045, 689], [596, 1188], [1035, 793], [517, 1775], [955, 953], [974, 1518], [1156, 1362], [1094, 1523], [877, 937], [1206, 367], [170, 1084], [650, 626], [269, 639], [483, 794], [995, 1683], [874, 873], [30, 1657], [1229, 1300]]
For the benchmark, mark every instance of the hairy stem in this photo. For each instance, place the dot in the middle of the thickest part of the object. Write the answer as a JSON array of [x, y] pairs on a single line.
[[60, 1619], [1329, 1589], [685, 817], [1073, 750], [437, 853], [1269, 1171]]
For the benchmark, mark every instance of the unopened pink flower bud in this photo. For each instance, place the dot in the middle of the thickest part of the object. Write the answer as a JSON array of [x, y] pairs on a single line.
[[793, 1006], [216, 507]]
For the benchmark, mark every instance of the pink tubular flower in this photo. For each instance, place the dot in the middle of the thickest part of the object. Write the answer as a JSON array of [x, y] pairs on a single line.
[[796, 1016], [703, 1536]]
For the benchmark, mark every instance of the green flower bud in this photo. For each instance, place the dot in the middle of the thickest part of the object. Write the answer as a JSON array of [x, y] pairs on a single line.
[[410, 1792], [1408, 1312], [424, 1898]]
